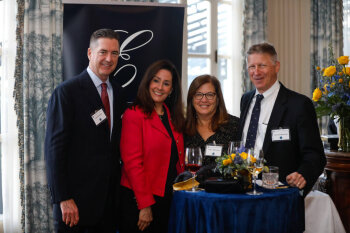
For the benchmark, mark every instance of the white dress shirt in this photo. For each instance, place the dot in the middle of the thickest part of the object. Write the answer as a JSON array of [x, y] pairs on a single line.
[[267, 104], [97, 81]]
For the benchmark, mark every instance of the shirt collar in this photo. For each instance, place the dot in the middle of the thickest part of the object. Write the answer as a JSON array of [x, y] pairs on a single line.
[[95, 79]]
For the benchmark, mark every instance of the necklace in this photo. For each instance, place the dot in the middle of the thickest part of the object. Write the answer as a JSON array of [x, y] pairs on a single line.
[[161, 115]]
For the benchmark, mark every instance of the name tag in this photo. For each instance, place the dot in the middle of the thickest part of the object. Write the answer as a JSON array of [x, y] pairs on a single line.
[[211, 150], [280, 135], [99, 116]]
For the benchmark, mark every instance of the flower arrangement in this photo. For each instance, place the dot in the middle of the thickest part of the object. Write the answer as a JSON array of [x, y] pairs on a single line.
[[332, 96], [231, 164]]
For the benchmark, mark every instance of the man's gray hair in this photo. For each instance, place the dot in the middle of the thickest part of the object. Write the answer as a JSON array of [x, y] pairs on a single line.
[[263, 48]]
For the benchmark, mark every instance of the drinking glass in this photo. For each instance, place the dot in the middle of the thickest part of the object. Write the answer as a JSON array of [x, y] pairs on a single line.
[[270, 177], [234, 146], [255, 164], [193, 161]]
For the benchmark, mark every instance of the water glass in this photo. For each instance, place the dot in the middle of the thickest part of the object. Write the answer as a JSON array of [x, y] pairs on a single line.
[[234, 146], [270, 177]]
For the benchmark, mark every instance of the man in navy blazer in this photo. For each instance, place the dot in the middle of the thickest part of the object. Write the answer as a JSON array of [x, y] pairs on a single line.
[[82, 142], [287, 130]]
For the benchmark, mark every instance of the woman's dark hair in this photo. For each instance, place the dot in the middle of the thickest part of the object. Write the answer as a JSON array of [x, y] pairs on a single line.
[[220, 116], [173, 101]]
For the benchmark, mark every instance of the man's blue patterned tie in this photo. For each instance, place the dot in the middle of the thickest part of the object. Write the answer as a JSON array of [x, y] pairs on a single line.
[[253, 125]]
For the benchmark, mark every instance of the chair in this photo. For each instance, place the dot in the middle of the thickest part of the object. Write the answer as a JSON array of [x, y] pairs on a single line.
[[321, 215]]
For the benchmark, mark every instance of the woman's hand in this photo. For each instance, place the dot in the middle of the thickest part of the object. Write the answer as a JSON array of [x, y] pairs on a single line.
[[145, 218]]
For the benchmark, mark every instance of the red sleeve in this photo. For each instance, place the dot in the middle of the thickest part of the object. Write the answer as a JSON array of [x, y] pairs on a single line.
[[131, 147]]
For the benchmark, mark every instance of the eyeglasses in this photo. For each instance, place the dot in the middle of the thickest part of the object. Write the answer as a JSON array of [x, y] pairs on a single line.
[[208, 95]]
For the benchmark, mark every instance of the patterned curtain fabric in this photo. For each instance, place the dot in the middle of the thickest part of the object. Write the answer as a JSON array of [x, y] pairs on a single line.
[[346, 29], [326, 30], [38, 71], [254, 31]]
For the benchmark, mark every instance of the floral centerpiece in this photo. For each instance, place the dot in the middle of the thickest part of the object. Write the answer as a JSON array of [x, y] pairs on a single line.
[[332, 96], [233, 166]]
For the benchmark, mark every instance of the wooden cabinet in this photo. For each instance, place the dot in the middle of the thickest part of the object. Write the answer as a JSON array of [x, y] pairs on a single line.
[[338, 187]]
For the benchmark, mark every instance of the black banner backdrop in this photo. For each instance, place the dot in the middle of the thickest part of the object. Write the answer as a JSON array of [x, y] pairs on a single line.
[[147, 32]]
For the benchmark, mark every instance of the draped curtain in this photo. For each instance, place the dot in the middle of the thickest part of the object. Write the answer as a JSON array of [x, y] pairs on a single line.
[[9, 145], [346, 29], [38, 71], [326, 30], [254, 31], [289, 31]]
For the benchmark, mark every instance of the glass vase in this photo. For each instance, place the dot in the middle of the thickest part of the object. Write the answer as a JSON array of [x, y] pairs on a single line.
[[344, 134], [247, 178]]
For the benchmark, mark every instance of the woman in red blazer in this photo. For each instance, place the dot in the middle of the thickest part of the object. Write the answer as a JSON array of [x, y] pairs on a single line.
[[152, 150]]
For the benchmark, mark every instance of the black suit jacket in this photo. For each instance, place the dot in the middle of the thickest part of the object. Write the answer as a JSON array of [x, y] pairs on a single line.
[[82, 160], [304, 152]]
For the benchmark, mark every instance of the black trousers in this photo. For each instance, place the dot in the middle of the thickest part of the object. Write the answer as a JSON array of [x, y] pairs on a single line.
[[130, 213], [106, 224]]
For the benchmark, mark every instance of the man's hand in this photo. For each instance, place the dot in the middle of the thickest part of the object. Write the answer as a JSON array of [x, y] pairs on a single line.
[[296, 180], [70, 213], [145, 218]]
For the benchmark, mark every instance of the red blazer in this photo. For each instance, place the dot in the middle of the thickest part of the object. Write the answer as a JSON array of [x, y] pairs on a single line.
[[145, 150]]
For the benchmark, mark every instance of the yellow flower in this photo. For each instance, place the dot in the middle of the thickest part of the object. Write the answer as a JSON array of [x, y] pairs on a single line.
[[233, 156], [317, 94], [323, 69], [329, 71], [343, 60], [318, 68], [340, 73], [332, 84], [340, 80], [244, 155], [226, 162], [252, 159], [346, 70], [325, 89]]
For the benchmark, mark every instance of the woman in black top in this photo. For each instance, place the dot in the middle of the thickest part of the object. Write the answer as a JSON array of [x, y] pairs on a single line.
[[207, 119]]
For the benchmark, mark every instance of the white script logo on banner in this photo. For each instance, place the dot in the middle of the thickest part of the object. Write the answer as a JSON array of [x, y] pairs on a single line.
[[126, 56]]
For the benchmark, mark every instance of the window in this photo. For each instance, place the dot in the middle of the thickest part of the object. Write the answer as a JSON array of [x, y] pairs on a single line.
[[1, 74], [210, 41], [9, 174], [346, 26]]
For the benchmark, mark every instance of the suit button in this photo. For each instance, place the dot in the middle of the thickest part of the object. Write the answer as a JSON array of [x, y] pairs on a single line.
[[177, 141], [180, 152]]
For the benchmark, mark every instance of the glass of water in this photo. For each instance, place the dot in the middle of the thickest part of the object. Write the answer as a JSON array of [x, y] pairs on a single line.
[[270, 177]]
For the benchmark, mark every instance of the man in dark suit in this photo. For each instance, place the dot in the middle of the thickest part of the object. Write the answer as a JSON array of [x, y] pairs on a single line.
[[82, 142], [286, 129]]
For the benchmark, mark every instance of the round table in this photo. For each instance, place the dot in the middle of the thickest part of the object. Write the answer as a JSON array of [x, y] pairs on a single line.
[[279, 210]]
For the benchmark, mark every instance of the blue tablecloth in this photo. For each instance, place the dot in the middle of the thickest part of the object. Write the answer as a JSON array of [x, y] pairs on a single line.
[[275, 211]]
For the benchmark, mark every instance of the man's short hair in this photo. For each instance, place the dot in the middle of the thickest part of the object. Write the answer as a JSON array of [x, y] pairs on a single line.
[[103, 33], [263, 48]]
